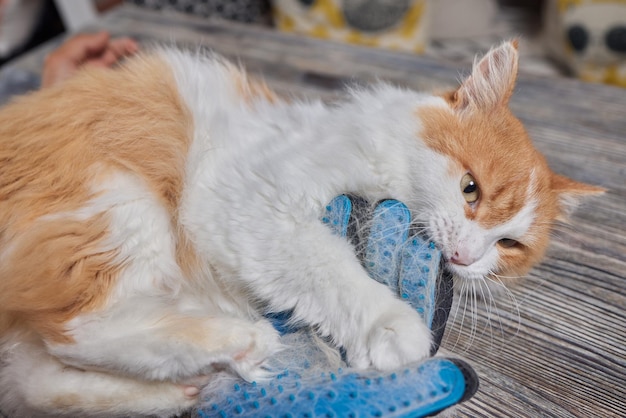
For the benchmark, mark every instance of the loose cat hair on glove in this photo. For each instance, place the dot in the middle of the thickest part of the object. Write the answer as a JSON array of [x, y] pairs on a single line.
[[150, 215]]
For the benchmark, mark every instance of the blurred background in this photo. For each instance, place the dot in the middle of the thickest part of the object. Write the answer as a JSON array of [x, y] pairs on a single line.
[[558, 38]]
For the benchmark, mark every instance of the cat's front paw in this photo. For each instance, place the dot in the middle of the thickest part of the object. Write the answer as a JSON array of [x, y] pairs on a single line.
[[396, 339]]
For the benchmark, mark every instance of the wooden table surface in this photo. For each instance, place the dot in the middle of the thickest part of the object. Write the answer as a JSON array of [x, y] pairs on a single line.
[[556, 346]]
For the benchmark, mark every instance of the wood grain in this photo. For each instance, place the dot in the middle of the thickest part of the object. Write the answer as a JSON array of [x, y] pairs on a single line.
[[556, 346]]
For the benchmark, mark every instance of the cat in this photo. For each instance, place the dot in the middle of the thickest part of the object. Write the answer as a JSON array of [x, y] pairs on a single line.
[[150, 215]]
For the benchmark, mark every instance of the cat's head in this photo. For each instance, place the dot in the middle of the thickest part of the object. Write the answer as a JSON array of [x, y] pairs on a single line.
[[496, 200]]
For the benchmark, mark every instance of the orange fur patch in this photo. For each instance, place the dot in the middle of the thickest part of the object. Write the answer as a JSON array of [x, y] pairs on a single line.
[[56, 269], [54, 144]]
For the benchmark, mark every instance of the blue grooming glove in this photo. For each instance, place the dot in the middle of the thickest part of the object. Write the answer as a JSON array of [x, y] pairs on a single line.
[[408, 264]]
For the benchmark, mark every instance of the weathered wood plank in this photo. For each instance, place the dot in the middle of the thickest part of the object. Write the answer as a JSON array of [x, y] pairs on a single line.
[[558, 349]]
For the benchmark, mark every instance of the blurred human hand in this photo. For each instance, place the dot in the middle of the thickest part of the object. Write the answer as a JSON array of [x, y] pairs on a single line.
[[86, 49]]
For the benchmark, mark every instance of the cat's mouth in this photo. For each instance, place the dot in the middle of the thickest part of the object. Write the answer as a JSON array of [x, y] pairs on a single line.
[[464, 271]]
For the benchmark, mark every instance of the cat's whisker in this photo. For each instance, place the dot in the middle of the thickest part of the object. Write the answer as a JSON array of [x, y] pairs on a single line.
[[419, 225], [468, 313], [494, 303], [535, 289], [488, 305], [474, 313], [470, 299], [497, 279], [502, 276], [455, 315]]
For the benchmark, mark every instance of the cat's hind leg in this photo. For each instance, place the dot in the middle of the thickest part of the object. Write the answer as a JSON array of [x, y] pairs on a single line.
[[155, 342], [154, 322], [35, 384]]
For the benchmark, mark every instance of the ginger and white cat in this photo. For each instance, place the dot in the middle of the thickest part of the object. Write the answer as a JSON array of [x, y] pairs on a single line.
[[149, 216]]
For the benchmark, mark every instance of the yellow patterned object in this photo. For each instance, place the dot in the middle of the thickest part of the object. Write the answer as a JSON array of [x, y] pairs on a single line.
[[589, 36], [393, 24]]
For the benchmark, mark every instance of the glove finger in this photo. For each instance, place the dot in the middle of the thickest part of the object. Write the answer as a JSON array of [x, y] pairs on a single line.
[[337, 215], [388, 231]]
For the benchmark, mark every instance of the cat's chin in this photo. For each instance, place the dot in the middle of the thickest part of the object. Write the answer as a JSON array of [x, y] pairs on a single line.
[[466, 273], [481, 286]]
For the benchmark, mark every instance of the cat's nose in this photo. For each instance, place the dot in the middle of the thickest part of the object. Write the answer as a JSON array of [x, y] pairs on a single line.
[[462, 258]]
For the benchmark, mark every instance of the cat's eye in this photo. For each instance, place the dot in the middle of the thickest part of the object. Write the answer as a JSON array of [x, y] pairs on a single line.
[[507, 242], [470, 189]]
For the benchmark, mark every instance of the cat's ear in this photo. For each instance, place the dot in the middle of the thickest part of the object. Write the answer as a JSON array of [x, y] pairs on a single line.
[[492, 80], [571, 192]]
